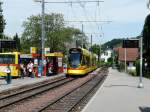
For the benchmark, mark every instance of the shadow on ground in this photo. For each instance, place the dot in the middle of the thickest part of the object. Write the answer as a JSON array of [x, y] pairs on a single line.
[[144, 109]]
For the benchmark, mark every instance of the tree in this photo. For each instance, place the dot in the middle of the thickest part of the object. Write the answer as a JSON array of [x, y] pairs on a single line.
[[146, 41], [2, 22], [96, 49], [32, 30], [112, 44], [57, 35], [17, 41]]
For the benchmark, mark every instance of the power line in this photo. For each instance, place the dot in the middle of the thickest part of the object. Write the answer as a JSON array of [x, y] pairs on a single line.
[[64, 2], [86, 21]]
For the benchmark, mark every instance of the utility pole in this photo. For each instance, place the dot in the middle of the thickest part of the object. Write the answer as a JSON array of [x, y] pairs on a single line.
[[91, 41], [141, 63], [125, 62], [82, 36], [91, 49], [43, 31]]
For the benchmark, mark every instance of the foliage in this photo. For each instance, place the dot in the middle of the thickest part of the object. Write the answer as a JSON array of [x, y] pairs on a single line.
[[96, 50], [137, 67], [132, 72], [2, 22], [17, 40], [110, 61], [57, 35], [104, 64], [107, 64], [121, 66], [146, 41], [113, 43]]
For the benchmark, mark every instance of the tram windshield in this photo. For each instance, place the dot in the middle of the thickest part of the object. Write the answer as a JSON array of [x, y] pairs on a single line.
[[7, 59], [75, 59]]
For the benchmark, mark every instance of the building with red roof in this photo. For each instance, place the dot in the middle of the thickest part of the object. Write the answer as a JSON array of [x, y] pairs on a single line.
[[128, 54]]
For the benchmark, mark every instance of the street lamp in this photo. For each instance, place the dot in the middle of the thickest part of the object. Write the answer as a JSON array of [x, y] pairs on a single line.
[[43, 31]]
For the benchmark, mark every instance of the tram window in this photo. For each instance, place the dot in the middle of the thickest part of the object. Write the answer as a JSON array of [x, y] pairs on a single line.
[[7, 59], [75, 59]]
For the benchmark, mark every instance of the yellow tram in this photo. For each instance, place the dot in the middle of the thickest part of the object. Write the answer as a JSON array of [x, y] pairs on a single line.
[[81, 61], [10, 59]]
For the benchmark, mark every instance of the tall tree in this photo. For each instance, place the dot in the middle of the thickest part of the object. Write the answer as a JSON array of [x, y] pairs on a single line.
[[96, 49], [2, 22], [57, 35], [17, 41], [32, 30], [146, 40]]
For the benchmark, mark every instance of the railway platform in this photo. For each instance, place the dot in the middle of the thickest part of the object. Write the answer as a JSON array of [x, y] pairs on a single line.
[[120, 93], [19, 82]]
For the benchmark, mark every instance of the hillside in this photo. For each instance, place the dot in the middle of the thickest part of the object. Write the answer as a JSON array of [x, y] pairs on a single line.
[[112, 44]]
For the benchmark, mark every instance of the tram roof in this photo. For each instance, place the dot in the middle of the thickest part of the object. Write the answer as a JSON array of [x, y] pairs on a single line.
[[57, 54], [10, 53], [26, 56]]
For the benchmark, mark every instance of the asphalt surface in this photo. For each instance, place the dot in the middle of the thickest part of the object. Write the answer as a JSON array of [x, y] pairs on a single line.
[[120, 93]]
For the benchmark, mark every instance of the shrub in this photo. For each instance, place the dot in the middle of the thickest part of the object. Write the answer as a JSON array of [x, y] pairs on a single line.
[[137, 67], [132, 72], [121, 66]]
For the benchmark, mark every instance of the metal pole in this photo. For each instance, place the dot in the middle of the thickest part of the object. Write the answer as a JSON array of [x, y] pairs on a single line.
[[99, 52], [125, 59], [141, 63], [113, 54], [91, 49], [82, 36], [43, 31]]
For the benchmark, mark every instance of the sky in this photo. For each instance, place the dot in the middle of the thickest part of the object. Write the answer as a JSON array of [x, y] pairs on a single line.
[[127, 17]]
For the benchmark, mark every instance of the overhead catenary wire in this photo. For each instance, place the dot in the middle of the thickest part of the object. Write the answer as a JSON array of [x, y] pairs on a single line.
[[64, 2], [91, 22]]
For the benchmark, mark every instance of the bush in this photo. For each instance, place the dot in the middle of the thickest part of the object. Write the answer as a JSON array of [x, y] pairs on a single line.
[[121, 66], [110, 61], [137, 67], [102, 64], [132, 72]]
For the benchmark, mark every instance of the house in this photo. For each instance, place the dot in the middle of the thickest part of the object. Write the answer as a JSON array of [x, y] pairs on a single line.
[[130, 55], [106, 55]]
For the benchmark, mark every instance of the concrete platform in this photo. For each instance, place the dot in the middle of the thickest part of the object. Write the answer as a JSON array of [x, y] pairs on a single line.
[[119, 93], [26, 81]]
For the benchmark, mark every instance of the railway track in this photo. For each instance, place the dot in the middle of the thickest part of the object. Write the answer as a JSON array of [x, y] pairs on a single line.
[[61, 96], [70, 101], [17, 96], [23, 88]]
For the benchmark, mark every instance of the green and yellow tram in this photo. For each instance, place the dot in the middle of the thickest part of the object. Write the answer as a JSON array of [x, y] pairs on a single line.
[[81, 61]]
